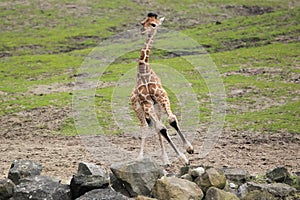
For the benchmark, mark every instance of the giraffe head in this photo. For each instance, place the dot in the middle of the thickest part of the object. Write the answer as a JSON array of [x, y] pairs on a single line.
[[151, 23]]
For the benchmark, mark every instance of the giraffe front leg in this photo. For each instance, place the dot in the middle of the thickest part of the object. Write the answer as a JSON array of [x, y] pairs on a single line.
[[149, 111], [174, 123], [164, 101]]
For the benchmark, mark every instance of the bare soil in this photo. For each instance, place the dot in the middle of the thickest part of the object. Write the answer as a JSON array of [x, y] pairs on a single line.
[[32, 135]]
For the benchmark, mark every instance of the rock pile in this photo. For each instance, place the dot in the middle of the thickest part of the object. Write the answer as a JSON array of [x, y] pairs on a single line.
[[145, 180]]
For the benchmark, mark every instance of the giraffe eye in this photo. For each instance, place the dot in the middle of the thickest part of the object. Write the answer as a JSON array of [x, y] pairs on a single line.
[[153, 25]]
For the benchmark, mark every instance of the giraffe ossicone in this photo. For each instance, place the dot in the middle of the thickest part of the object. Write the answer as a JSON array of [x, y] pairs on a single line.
[[149, 99]]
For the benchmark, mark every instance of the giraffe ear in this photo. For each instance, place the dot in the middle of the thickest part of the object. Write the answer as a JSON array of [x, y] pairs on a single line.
[[161, 20]]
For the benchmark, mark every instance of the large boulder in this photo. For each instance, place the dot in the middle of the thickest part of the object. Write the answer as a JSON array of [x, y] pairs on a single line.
[[211, 178], [23, 168], [107, 194], [6, 189], [137, 177], [41, 187], [214, 193], [89, 177], [173, 188]]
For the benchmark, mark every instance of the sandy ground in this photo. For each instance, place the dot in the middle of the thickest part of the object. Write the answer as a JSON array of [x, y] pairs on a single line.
[[30, 135]]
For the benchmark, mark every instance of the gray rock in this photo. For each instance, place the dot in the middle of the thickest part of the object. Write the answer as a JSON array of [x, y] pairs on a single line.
[[187, 177], [238, 176], [242, 190], [107, 194], [214, 193], [91, 169], [211, 178], [259, 195], [184, 170], [276, 189], [89, 177], [173, 188], [137, 177], [279, 174], [80, 184], [118, 185], [23, 168], [140, 197], [41, 187], [232, 185], [196, 172], [6, 189]]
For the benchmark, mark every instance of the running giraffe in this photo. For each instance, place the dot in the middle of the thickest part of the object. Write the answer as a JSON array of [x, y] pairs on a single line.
[[149, 98]]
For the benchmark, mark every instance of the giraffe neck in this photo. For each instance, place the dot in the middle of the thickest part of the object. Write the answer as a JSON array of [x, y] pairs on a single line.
[[143, 66]]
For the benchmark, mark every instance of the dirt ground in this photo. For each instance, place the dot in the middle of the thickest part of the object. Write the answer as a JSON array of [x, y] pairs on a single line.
[[31, 135]]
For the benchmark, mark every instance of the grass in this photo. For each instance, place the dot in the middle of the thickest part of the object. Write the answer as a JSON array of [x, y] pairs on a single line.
[[283, 118], [46, 43], [245, 32]]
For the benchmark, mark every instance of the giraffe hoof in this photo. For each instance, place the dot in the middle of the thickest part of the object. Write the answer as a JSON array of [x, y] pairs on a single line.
[[187, 164], [190, 149]]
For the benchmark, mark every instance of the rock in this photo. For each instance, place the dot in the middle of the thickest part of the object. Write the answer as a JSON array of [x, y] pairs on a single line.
[[259, 195], [197, 172], [107, 194], [238, 176], [6, 189], [89, 177], [184, 170], [41, 187], [187, 177], [211, 178], [144, 198], [137, 177], [173, 188], [232, 185], [279, 174], [242, 190], [91, 169], [276, 189], [214, 193], [118, 185], [23, 168]]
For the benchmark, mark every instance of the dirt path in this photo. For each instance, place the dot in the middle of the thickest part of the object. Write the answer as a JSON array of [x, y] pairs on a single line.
[[29, 135]]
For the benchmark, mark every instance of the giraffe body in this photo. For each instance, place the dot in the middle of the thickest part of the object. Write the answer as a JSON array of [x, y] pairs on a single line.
[[149, 98]]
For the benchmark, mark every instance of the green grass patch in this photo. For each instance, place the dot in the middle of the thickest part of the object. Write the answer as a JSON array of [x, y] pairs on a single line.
[[247, 31], [275, 119]]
